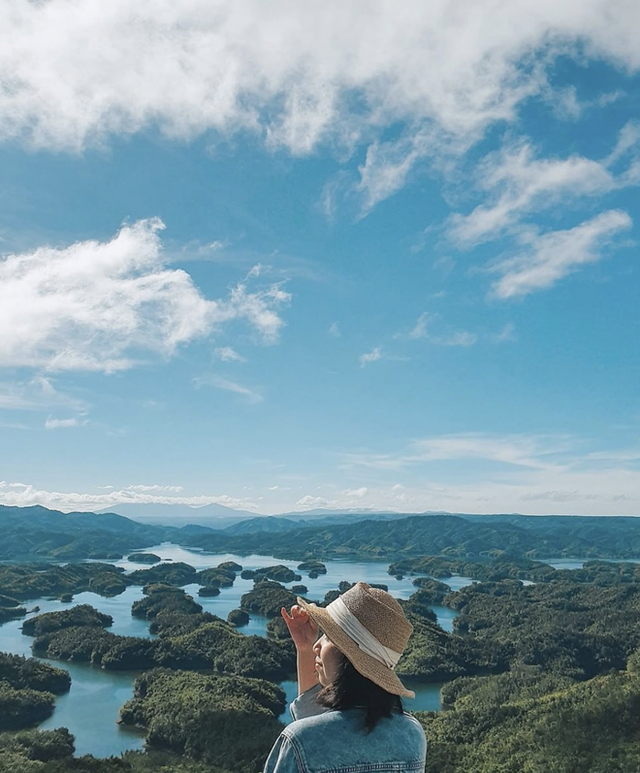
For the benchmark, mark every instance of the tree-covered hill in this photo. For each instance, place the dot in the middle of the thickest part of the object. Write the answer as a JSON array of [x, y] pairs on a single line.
[[448, 535], [38, 531]]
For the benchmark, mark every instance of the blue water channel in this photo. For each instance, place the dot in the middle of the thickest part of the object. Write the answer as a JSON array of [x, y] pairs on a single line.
[[90, 709]]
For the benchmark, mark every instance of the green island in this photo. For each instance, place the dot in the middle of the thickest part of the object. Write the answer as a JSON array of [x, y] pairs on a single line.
[[540, 672], [144, 558]]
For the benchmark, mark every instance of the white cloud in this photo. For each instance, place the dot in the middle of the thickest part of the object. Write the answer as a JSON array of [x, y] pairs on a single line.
[[229, 386], [421, 330], [530, 473], [37, 394], [531, 451], [24, 495], [372, 356], [334, 330], [52, 423], [227, 354], [102, 305], [547, 258], [359, 493], [520, 183], [508, 333], [155, 487], [309, 502], [77, 72]]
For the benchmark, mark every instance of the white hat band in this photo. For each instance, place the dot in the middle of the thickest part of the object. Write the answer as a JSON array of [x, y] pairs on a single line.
[[367, 642]]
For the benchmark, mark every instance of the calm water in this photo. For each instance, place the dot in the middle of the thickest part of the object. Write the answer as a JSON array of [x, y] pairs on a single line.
[[90, 709]]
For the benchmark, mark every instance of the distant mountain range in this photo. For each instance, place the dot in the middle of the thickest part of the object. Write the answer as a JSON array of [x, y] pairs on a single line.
[[30, 532], [214, 516]]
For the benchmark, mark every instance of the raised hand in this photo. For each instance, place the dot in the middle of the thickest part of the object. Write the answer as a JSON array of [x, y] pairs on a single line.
[[303, 630]]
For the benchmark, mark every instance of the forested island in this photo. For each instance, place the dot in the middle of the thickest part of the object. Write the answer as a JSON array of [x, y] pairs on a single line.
[[541, 670]]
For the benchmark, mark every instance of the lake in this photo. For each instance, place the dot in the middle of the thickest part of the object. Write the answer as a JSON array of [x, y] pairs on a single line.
[[90, 709]]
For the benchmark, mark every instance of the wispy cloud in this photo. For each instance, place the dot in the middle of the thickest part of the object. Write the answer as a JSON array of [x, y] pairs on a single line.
[[545, 259], [531, 451], [507, 334], [423, 330], [38, 394], [53, 423], [334, 330], [523, 184], [102, 305], [372, 356], [154, 487], [251, 395], [24, 495], [227, 354]]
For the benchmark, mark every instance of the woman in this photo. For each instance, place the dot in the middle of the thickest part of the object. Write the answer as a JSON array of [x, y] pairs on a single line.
[[348, 713]]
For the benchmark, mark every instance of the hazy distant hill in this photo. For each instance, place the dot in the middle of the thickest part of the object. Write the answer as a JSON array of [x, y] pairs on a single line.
[[214, 516], [38, 531], [533, 536]]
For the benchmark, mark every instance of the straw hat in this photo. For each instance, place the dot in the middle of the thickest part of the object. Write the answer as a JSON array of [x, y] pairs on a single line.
[[383, 618]]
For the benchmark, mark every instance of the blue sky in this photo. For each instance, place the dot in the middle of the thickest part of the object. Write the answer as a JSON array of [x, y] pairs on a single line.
[[321, 255]]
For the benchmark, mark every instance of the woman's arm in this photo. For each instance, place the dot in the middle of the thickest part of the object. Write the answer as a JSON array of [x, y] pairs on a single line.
[[304, 633]]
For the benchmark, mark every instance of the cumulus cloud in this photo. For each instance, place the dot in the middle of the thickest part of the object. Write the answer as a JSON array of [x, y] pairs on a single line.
[[372, 356], [547, 258], [359, 493], [309, 502], [103, 306], [77, 72]]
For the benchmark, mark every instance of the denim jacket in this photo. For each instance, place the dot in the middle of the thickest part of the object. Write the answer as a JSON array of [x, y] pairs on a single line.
[[321, 741]]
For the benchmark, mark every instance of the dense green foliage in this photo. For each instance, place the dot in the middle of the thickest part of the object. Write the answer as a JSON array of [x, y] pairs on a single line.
[[26, 691], [534, 676], [537, 726], [23, 708], [278, 573], [28, 581], [177, 573], [222, 576], [10, 613], [163, 598], [313, 566], [492, 570], [573, 628], [227, 722], [81, 615], [431, 591], [39, 532], [145, 558], [238, 617], [267, 598], [451, 535], [188, 639], [21, 673], [208, 591]]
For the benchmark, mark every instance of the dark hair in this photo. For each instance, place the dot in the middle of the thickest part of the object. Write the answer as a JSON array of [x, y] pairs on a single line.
[[351, 690]]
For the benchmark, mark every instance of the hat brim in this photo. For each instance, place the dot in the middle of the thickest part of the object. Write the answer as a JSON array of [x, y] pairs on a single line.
[[369, 667]]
